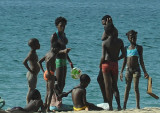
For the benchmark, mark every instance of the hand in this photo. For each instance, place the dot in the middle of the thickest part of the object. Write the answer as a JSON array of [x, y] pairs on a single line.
[[64, 94], [146, 76], [32, 72], [67, 50], [121, 76]]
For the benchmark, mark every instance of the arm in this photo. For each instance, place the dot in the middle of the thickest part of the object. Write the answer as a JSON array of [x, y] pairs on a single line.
[[142, 62], [122, 51], [40, 63], [40, 104], [69, 60], [26, 64], [103, 54], [84, 98], [123, 66], [53, 39]]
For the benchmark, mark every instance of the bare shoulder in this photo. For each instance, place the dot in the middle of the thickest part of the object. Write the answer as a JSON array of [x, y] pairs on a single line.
[[54, 37], [120, 40], [139, 47]]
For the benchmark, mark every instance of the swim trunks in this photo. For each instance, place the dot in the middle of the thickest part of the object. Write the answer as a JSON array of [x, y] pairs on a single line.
[[45, 73], [109, 66], [79, 109], [32, 80], [60, 63]]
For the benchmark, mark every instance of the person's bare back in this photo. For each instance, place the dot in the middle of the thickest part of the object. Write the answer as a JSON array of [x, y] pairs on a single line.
[[78, 95]]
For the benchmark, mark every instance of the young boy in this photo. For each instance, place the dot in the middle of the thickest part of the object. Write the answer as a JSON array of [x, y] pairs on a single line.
[[34, 68], [50, 58], [61, 64], [79, 95], [133, 57], [111, 48], [34, 104]]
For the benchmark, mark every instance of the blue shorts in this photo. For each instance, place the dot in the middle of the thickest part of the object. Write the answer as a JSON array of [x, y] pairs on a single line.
[[64, 107]]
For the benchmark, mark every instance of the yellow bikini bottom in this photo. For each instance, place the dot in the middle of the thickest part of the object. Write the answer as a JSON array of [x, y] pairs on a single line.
[[79, 109]]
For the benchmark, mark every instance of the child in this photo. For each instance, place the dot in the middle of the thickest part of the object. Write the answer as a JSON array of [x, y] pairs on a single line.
[[79, 95], [134, 55], [50, 58], [56, 102], [61, 65], [111, 48], [34, 104], [33, 69]]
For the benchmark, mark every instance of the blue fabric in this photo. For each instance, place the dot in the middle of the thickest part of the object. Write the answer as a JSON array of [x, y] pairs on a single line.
[[64, 107], [132, 52]]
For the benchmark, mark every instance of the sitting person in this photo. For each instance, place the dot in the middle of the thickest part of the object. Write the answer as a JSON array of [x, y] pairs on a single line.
[[79, 95], [34, 104], [56, 102]]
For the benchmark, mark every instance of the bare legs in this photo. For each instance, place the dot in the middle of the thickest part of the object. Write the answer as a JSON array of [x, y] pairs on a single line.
[[108, 88], [28, 94], [136, 89], [100, 80], [49, 92], [61, 77], [115, 90]]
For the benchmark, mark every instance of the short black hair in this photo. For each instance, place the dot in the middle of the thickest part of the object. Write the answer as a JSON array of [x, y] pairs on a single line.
[[131, 32], [60, 19], [32, 42], [35, 94], [106, 16], [84, 78]]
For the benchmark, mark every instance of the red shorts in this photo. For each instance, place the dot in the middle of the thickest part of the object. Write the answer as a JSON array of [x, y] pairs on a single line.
[[110, 67], [45, 73]]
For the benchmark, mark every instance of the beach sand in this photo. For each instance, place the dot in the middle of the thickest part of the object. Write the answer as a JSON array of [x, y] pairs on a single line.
[[144, 110]]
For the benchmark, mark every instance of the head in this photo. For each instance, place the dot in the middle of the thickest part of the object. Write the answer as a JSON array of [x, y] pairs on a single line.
[[106, 19], [132, 36], [34, 43], [84, 80], [60, 23], [35, 95]]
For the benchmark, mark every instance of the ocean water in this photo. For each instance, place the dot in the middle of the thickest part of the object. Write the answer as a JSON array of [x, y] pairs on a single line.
[[21, 20]]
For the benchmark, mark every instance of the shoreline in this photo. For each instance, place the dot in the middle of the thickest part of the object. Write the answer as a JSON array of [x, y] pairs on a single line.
[[143, 110]]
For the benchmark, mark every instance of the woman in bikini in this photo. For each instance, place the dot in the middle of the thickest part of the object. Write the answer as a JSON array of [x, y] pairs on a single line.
[[134, 56], [61, 65]]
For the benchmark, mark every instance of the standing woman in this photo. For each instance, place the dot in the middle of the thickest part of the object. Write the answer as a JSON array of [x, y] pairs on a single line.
[[61, 65]]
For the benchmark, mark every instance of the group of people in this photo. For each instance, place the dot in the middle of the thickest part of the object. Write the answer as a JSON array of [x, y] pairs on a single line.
[[56, 69], [133, 59]]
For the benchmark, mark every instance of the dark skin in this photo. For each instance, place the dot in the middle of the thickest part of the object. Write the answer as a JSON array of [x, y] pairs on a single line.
[[61, 71], [111, 48], [34, 105], [32, 58], [50, 58], [100, 75], [133, 62], [79, 98], [100, 78]]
